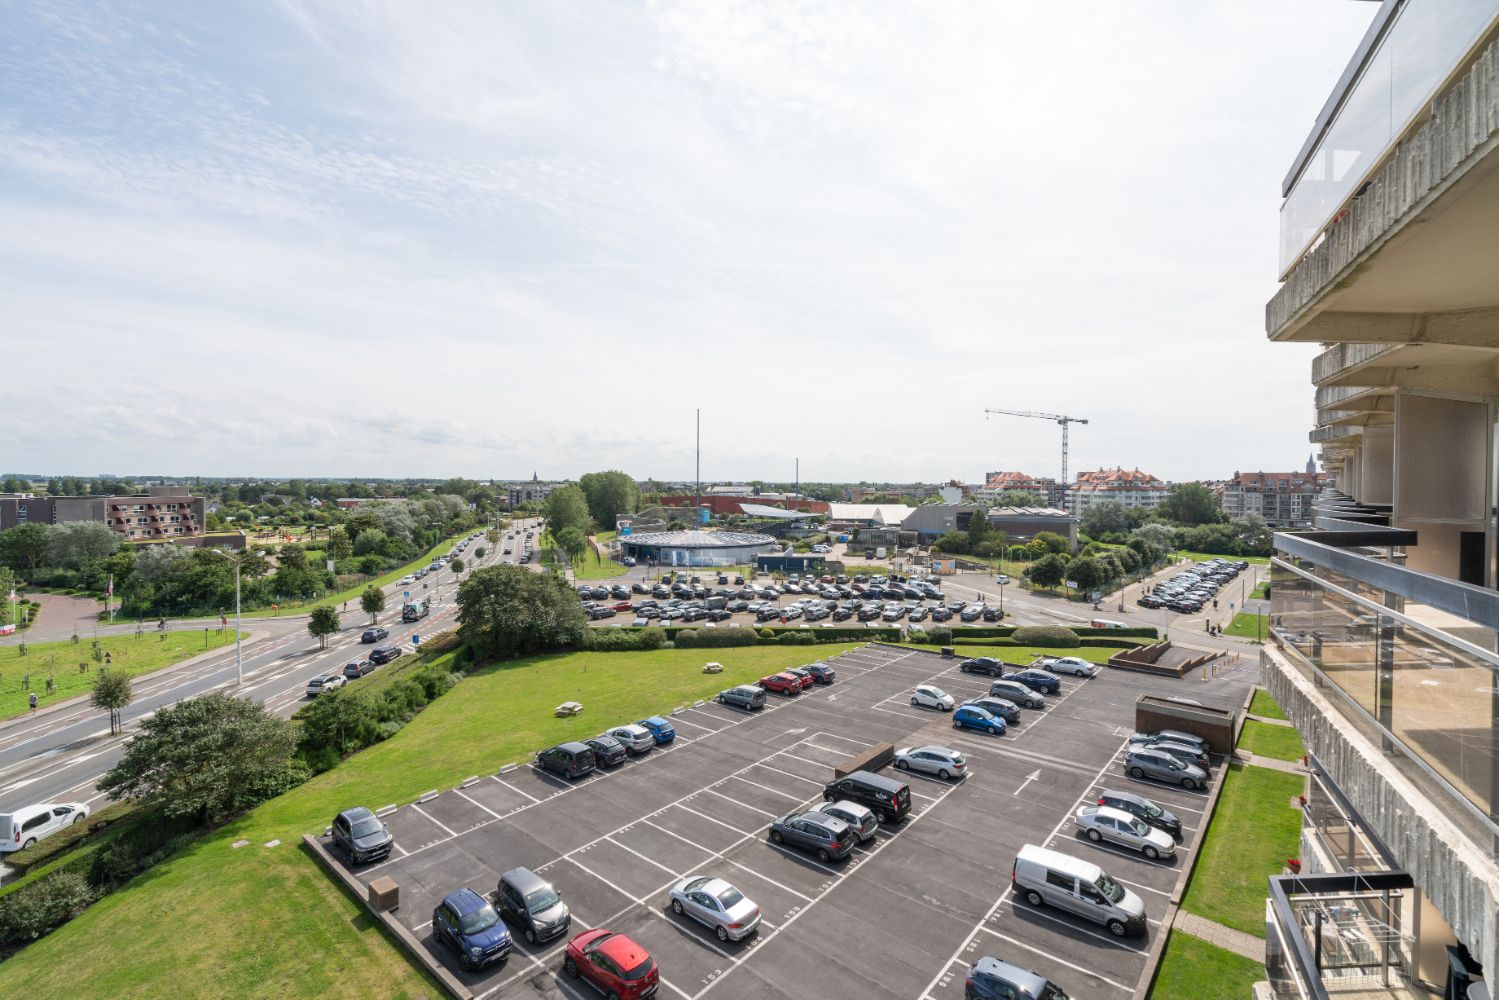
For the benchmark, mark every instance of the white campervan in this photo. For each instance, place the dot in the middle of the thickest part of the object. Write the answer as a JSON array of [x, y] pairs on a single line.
[[29, 824]]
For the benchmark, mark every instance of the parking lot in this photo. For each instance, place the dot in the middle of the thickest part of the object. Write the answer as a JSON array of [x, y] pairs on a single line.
[[902, 917]]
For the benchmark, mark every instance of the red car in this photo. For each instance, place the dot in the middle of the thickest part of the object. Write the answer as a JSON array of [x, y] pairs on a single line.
[[613, 964], [783, 683], [803, 676], [623, 606]]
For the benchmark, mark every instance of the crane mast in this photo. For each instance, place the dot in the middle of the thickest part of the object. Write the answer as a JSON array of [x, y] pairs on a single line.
[[1056, 418]]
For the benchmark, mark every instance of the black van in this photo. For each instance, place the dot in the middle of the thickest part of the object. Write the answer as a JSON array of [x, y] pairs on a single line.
[[569, 760], [890, 799]]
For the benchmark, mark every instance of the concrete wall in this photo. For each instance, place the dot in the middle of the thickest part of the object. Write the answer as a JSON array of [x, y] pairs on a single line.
[[1376, 475], [1443, 472]]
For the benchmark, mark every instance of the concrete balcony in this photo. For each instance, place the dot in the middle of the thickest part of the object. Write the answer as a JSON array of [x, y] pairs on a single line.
[[1338, 358], [1334, 433]]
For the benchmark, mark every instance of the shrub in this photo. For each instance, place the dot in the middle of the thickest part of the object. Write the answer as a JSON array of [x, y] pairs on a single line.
[[1046, 636], [388, 729], [624, 640], [917, 635], [766, 633], [712, 638], [44, 905], [798, 638], [443, 642], [941, 635]]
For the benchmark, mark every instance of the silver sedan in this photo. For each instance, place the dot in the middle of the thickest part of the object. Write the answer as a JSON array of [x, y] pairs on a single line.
[[636, 738], [1102, 823], [716, 904]]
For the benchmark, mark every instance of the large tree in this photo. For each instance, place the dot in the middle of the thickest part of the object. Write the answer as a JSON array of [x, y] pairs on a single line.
[[24, 546], [1087, 572], [506, 611], [206, 758], [1020, 498], [372, 602], [566, 508], [1191, 503], [573, 542], [609, 495], [1106, 517], [1048, 571], [322, 623]]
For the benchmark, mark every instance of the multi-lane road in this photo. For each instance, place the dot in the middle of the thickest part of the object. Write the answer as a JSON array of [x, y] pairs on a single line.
[[60, 755]]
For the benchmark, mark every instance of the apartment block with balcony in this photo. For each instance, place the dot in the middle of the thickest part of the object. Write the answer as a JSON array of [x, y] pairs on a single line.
[[1130, 487], [1283, 499], [162, 512], [1384, 625]]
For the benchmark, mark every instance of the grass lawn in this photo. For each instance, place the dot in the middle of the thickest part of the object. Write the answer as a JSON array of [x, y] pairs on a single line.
[[1266, 740], [267, 922], [1203, 556], [596, 567], [1192, 969], [59, 660], [1261, 591], [1253, 831], [352, 594], [1248, 626], [1264, 706]]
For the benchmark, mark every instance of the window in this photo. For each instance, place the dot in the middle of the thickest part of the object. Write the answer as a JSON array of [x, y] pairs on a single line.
[[35, 821], [1090, 893], [1061, 881]]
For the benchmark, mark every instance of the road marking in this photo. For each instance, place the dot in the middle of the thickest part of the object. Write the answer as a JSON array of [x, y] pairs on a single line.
[[766, 878], [773, 791], [514, 789], [424, 812], [1033, 776], [459, 793], [736, 802]]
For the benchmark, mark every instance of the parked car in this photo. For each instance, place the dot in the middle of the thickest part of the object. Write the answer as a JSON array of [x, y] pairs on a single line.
[[821, 673], [1142, 808], [571, 760], [941, 614], [1183, 752], [611, 963], [355, 669], [1105, 823], [1037, 679], [1172, 735], [927, 696], [26, 825], [823, 835], [982, 665], [607, 751], [1076, 666], [748, 696], [782, 683], [803, 676], [533, 905], [1021, 694], [978, 719], [1150, 601], [635, 738], [890, 799], [992, 979], [860, 819], [971, 613], [717, 905], [384, 654], [992, 614], [944, 762], [1004, 708], [1050, 878], [376, 634], [468, 924], [361, 836], [660, 728], [1144, 762], [918, 615], [324, 682]]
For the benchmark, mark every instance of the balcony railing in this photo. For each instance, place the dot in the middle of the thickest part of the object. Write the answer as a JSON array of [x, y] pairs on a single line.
[[1341, 933], [1407, 655], [1330, 395], [1339, 357]]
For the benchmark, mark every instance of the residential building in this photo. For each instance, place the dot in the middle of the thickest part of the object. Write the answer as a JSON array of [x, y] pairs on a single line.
[[1283, 499], [1384, 617], [1130, 487], [1051, 491], [159, 512], [529, 492]]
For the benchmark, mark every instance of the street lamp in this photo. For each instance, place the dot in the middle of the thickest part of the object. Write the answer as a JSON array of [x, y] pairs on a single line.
[[1003, 582], [239, 663]]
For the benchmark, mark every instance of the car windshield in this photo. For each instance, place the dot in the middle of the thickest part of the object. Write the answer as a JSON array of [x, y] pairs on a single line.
[[481, 919], [730, 896], [1152, 810], [1112, 891], [937, 692], [367, 826], [542, 900]]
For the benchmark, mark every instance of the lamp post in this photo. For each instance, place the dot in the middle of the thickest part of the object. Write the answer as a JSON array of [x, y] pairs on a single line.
[[1003, 582], [239, 663]]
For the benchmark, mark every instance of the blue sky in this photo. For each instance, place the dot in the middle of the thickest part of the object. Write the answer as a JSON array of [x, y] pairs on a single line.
[[482, 239]]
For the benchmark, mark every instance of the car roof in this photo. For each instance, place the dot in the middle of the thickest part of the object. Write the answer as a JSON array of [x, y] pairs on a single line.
[[1025, 979], [464, 901], [623, 950], [657, 720], [524, 880], [356, 813], [1110, 811], [632, 728], [832, 823]]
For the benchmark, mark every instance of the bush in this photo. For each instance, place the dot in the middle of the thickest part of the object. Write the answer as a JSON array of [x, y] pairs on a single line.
[[798, 638], [917, 635], [435, 682], [713, 638], [1046, 636], [940, 635], [388, 729], [766, 633], [624, 640], [443, 642], [44, 905]]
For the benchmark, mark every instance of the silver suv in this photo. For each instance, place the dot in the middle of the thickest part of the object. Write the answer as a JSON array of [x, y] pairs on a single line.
[[859, 818], [1143, 762], [750, 696]]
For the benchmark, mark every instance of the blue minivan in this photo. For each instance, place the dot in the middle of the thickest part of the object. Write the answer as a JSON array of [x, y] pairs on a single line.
[[661, 729]]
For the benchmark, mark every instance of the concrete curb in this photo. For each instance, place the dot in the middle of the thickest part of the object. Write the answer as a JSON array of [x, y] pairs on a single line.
[[387, 919]]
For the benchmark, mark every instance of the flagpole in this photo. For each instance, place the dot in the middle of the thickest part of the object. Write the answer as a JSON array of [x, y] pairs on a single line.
[[109, 594]]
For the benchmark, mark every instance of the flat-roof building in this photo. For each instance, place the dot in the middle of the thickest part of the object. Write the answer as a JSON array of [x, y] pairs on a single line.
[[159, 512]]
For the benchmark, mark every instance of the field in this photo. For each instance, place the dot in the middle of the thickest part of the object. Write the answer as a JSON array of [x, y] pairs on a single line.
[[1264, 740], [1265, 706], [1203, 556], [1248, 626], [1192, 969], [60, 660], [266, 922]]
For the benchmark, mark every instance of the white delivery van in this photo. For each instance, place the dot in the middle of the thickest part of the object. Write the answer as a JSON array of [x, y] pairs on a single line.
[[29, 824], [1050, 878]]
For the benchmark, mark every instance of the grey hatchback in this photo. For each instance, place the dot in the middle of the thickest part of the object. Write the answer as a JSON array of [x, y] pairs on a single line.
[[1142, 762], [529, 901], [823, 835]]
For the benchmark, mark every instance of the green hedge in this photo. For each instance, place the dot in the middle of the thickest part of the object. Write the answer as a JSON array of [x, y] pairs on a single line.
[[688, 637], [1046, 636], [1091, 642], [1007, 631], [345, 721], [623, 640]]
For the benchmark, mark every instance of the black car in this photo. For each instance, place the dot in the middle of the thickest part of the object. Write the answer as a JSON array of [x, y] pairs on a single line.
[[1144, 809], [941, 614], [720, 615], [360, 835], [1037, 680], [607, 751], [737, 605], [972, 613], [1150, 601], [842, 614], [821, 673], [597, 613], [384, 654], [918, 615], [529, 902], [983, 665], [768, 613], [992, 615], [869, 612], [376, 634], [639, 588]]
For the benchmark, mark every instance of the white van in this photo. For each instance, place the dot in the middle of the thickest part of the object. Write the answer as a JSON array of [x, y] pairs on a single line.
[[1049, 878], [29, 824], [1105, 623]]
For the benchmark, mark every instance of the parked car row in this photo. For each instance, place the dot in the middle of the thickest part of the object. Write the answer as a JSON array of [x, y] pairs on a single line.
[[1187, 591]]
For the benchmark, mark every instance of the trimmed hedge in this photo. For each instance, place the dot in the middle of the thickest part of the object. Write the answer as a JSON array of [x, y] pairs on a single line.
[[687, 637], [1008, 631], [1091, 642], [1046, 636], [714, 638], [623, 640]]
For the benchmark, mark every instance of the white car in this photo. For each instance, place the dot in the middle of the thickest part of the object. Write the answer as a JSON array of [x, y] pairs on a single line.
[[328, 682], [408, 578], [28, 824], [1076, 666], [637, 739], [1116, 826], [944, 762], [926, 696]]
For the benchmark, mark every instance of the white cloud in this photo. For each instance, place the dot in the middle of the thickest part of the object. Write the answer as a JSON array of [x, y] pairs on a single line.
[[480, 239]]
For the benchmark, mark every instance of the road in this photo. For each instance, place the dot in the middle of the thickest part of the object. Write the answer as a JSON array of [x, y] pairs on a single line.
[[61, 755]]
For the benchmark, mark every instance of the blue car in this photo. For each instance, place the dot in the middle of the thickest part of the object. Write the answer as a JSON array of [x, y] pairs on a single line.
[[973, 717], [661, 729], [471, 927]]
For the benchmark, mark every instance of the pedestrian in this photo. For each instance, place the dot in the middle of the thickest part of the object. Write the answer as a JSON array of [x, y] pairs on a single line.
[[33, 701]]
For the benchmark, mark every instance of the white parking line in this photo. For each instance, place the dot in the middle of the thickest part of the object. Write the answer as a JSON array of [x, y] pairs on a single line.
[[766, 878], [514, 789], [424, 812], [801, 856], [710, 819], [1052, 955], [628, 895], [678, 720], [804, 760], [782, 771], [481, 805], [642, 857], [751, 808], [773, 791]]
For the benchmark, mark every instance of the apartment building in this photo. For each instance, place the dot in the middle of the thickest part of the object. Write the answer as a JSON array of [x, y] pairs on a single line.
[[160, 512], [1047, 488], [1130, 487], [1385, 617], [1283, 499]]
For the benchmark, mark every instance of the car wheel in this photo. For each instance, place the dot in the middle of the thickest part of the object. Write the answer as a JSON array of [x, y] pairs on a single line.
[[676, 907], [903, 765], [464, 962], [723, 935], [613, 995], [1117, 928], [823, 855], [530, 936], [1094, 836], [1189, 784], [570, 967], [1034, 898], [942, 773], [915, 702], [775, 837], [1150, 852], [1136, 772], [956, 724], [77, 817], [29, 843]]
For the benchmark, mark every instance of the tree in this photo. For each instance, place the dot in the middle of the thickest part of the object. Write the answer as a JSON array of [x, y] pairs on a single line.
[[951, 543], [1087, 572], [1107, 517], [456, 565], [112, 692], [1158, 535], [206, 758], [573, 542], [372, 602], [24, 546], [1052, 542], [506, 611], [978, 529], [1191, 503], [1020, 498], [1048, 571], [567, 507], [1252, 532], [339, 545], [609, 495], [322, 623]]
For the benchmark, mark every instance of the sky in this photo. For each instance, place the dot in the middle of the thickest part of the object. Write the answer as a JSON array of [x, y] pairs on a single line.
[[486, 239]]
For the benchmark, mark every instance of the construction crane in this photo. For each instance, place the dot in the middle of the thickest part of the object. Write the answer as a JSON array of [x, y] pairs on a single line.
[[1055, 418]]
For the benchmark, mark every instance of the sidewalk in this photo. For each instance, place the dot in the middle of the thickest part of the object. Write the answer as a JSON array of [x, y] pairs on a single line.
[[1214, 933]]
